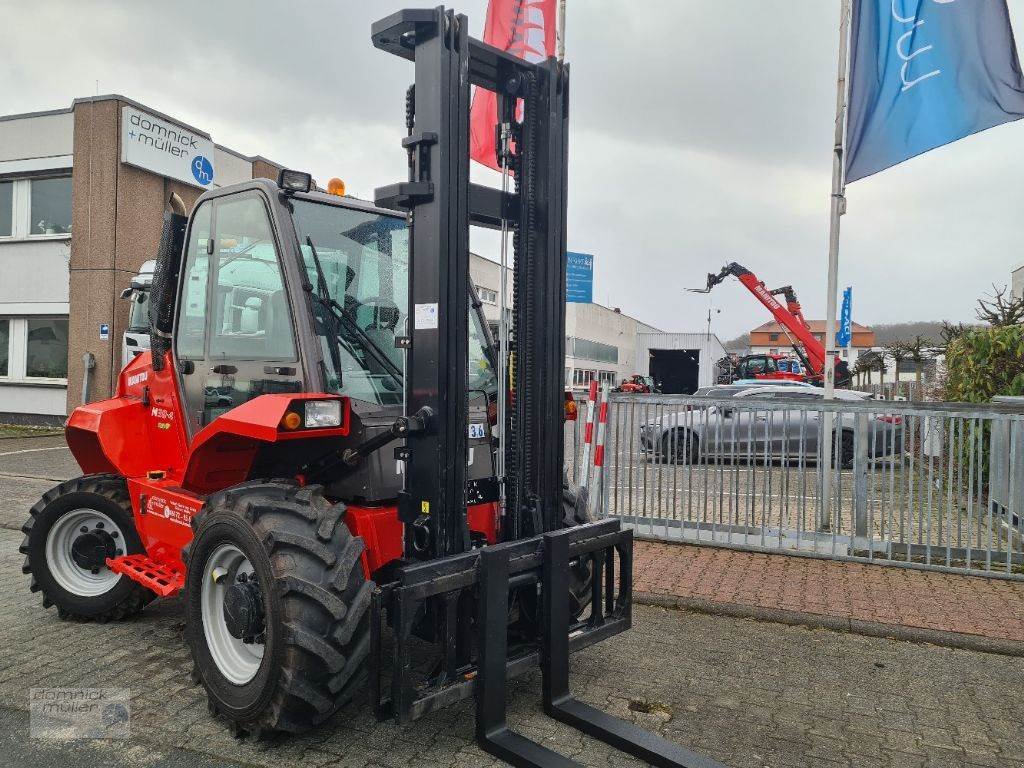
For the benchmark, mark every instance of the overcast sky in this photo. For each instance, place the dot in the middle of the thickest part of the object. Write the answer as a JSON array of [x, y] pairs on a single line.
[[701, 133]]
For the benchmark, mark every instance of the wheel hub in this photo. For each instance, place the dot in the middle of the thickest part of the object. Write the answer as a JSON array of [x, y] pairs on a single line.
[[91, 550], [243, 609]]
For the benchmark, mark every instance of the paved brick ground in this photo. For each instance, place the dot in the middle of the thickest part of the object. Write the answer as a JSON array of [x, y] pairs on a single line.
[[745, 692], [748, 693], [990, 608]]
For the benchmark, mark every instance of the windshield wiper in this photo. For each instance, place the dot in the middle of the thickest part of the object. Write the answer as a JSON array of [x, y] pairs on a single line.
[[340, 313]]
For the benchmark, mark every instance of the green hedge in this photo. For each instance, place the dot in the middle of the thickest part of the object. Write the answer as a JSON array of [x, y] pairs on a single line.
[[985, 362]]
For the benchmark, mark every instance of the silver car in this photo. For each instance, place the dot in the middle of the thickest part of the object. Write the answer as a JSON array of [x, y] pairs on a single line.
[[754, 432]]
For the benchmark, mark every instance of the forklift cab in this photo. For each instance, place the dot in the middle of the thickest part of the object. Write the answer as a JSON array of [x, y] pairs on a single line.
[[300, 291]]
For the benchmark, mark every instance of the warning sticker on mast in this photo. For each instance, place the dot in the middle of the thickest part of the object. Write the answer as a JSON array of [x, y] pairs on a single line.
[[525, 28]]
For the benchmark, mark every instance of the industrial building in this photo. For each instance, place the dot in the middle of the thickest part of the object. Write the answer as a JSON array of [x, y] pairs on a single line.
[[771, 338], [606, 345], [82, 194]]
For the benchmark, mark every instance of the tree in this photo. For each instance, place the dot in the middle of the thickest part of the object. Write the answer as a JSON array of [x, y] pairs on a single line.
[[951, 333], [918, 350], [868, 363], [1000, 309], [897, 350]]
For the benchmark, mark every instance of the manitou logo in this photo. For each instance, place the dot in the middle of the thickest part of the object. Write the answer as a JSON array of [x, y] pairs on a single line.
[[162, 413], [766, 297], [138, 378]]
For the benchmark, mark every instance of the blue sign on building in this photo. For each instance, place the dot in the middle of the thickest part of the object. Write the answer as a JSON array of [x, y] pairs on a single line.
[[579, 278]]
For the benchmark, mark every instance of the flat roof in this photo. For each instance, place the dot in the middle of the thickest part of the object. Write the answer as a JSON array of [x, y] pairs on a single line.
[[138, 105], [596, 304]]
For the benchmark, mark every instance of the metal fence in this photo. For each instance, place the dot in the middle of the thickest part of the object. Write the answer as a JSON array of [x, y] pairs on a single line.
[[921, 485], [898, 390]]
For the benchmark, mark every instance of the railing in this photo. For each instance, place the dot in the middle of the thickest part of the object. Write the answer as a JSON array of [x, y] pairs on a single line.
[[897, 390], [921, 485]]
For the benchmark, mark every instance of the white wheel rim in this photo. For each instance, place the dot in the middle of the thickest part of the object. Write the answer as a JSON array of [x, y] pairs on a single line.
[[237, 661], [60, 539]]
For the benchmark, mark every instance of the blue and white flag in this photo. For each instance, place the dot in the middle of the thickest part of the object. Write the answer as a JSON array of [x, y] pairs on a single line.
[[924, 73], [845, 335]]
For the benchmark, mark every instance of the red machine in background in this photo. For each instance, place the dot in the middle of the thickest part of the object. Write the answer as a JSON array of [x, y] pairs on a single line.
[[807, 347], [638, 385]]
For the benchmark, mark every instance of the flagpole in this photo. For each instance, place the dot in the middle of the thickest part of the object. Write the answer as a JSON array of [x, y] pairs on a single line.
[[838, 208], [560, 32]]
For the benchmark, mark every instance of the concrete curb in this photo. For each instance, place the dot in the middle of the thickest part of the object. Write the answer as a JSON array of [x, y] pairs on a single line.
[[959, 640]]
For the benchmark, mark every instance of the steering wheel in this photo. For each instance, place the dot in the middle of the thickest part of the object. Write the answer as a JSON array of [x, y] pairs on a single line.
[[385, 313]]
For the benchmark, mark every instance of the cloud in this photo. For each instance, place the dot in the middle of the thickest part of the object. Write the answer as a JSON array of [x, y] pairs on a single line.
[[701, 133]]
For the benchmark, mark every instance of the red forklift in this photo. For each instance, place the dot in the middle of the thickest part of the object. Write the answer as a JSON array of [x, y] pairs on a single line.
[[305, 454], [638, 384]]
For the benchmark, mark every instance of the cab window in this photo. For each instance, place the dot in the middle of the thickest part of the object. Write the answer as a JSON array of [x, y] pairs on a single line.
[[191, 333], [250, 318]]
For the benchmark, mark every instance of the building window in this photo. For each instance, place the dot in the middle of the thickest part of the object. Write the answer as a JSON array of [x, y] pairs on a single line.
[[5, 344], [592, 350], [50, 206], [46, 351], [582, 377], [487, 296], [6, 208], [773, 337]]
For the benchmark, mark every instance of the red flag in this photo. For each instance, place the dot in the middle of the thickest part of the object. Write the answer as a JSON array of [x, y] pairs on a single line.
[[525, 28]]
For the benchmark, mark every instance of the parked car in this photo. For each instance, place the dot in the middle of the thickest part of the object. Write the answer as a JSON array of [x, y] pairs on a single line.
[[751, 431]]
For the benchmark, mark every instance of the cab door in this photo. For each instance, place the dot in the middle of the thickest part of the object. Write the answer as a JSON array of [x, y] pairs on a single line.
[[234, 337]]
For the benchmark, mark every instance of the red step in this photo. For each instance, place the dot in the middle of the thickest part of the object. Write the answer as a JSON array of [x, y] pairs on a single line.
[[163, 578]]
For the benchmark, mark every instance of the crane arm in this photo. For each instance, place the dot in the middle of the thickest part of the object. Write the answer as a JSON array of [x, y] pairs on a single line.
[[793, 322]]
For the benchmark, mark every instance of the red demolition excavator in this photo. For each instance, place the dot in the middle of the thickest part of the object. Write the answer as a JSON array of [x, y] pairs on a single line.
[[806, 345]]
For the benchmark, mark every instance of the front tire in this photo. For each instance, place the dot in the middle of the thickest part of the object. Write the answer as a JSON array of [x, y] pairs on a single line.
[[70, 533], [276, 607]]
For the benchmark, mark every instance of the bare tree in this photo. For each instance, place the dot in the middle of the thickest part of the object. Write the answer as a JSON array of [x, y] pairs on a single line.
[[897, 350], [918, 350], [1000, 309], [868, 363], [951, 333]]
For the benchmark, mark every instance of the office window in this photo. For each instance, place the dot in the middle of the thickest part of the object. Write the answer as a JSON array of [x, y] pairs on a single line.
[[50, 206], [582, 377], [46, 351], [6, 208], [487, 296], [5, 343], [592, 350]]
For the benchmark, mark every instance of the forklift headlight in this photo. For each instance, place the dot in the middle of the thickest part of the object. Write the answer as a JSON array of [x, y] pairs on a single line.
[[294, 181], [323, 413]]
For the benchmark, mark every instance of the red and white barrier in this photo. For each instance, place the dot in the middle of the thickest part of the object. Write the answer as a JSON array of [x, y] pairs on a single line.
[[595, 485], [588, 437]]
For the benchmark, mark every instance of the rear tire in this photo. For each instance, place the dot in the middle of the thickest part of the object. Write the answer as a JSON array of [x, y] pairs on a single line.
[[69, 534], [306, 603], [680, 447], [845, 450]]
